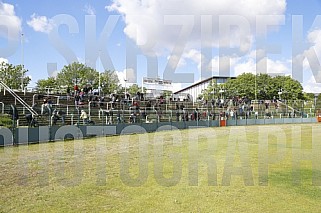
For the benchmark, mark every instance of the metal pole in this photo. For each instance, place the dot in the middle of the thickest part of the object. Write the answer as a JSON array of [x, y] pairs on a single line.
[[89, 111], [99, 80], [255, 86], [22, 62], [2, 109], [13, 124], [33, 99], [99, 85], [125, 89], [143, 85], [315, 104]]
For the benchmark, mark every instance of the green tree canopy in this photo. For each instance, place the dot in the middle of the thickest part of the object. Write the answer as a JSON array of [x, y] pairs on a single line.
[[243, 85], [211, 92], [260, 86], [109, 82], [82, 75], [291, 89], [13, 75], [44, 84], [77, 73], [133, 89]]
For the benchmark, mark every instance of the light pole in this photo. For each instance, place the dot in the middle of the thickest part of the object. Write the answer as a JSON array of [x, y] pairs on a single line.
[[75, 82], [280, 93], [255, 89], [315, 103], [222, 90], [22, 62], [125, 89], [213, 85], [99, 83], [99, 80]]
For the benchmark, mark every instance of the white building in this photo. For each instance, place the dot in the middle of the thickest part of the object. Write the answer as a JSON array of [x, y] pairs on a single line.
[[156, 86], [196, 89]]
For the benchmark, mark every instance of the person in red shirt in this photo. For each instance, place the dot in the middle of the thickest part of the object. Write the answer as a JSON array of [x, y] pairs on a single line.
[[76, 88]]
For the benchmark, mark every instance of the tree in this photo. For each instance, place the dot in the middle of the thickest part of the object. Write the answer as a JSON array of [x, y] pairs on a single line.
[[308, 96], [291, 89], [133, 89], [77, 73], [167, 93], [44, 84], [82, 75], [211, 92], [260, 86], [109, 82], [243, 85], [13, 75]]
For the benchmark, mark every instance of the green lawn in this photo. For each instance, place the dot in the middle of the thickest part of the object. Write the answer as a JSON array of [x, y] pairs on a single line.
[[230, 169]]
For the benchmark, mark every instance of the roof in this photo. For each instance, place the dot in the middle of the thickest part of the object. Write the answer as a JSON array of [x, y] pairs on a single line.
[[201, 82]]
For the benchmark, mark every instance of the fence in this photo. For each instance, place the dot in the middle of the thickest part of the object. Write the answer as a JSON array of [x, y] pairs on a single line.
[[25, 135]]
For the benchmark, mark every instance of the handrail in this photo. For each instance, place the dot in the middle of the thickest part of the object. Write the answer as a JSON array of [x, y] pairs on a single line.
[[2, 108], [55, 96], [21, 101], [294, 110], [33, 99]]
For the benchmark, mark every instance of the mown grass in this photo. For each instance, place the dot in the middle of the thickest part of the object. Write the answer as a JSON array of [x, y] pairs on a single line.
[[90, 175]]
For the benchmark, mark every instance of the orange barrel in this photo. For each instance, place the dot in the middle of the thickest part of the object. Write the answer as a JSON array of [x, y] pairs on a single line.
[[222, 121]]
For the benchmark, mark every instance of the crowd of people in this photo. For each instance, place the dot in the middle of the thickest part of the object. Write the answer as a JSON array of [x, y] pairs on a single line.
[[124, 108]]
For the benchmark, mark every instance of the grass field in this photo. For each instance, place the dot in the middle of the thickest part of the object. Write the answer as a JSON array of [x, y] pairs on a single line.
[[230, 169]]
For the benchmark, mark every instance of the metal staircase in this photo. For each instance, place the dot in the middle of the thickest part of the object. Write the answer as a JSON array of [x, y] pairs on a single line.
[[19, 99], [289, 107]]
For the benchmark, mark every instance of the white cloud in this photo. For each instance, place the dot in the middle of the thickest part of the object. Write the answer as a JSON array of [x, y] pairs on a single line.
[[277, 67], [126, 74], [159, 28], [311, 86], [194, 55], [311, 81], [314, 38], [248, 66], [176, 87], [227, 64], [11, 22], [40, 23], [4, 60], [121, 77], [90, 10], [176, 62], [273, 67], [235, 65]]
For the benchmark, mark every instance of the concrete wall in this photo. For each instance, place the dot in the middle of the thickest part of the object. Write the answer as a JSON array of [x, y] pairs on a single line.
[[24, 135]]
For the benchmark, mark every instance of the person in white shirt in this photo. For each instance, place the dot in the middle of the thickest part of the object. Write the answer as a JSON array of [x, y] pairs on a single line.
[[84, 116]]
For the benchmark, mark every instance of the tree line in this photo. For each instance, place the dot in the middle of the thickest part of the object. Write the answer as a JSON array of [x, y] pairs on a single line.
[[81, 75], [72, 74], [14, 75], [260, 86], [257, 87]]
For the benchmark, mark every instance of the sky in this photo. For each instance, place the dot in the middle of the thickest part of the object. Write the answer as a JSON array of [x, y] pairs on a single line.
[[180, 40]]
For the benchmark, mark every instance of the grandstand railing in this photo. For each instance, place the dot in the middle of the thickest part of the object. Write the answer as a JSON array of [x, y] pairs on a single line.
[[19, 99], [2, 107], [167, 112]]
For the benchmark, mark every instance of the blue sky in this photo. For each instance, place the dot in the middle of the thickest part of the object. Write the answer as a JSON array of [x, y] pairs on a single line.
[[159, 24]]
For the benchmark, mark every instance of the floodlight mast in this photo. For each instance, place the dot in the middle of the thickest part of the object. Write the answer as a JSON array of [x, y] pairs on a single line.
[[22, 62], [125, 88], [99, 78], [255, 89]]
